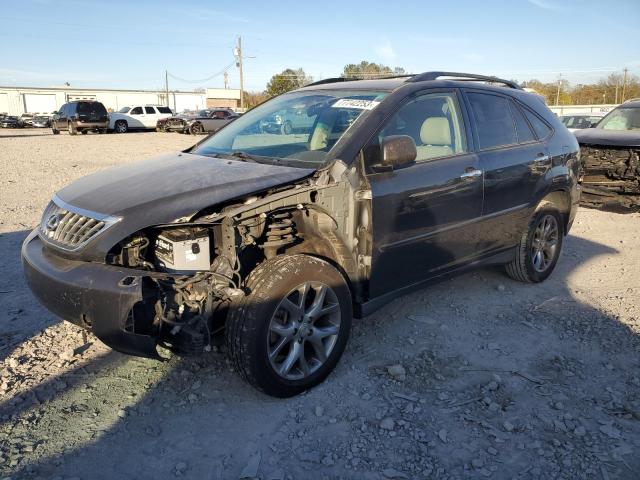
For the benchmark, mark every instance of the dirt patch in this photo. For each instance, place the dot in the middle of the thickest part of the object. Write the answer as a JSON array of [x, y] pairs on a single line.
[[488, 378]]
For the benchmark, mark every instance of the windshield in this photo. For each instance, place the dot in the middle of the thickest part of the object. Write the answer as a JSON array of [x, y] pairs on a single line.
[[124, 110], [297, 129], [622, 119]]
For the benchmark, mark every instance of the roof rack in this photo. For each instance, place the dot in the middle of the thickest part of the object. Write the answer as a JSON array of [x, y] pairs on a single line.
[[355, 79], [423, 77]]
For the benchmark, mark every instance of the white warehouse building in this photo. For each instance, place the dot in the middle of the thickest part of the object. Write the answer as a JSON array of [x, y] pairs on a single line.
[[19, 100]]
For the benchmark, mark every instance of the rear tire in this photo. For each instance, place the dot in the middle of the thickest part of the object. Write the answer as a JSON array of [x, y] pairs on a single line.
[[289, 331], [71, 128], [55, 132], [83, 132], [539, 248]]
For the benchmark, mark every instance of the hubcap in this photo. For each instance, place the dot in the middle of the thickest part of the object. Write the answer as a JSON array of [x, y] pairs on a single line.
[[545, 243], [303, 330]]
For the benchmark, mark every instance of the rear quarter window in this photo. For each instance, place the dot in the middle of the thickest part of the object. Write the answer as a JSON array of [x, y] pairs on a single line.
[[539, 126], [164, 109]]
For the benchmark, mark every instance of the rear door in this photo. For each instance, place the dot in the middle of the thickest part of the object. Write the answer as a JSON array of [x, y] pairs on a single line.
[[150, 117], [424, 214], [514, 162]]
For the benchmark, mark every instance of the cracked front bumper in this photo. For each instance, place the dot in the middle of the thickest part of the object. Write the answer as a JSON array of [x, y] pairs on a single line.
[[92, 295]]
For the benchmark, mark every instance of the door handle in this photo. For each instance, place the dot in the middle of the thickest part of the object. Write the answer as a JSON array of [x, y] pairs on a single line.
[[541, 158], [471, 173]]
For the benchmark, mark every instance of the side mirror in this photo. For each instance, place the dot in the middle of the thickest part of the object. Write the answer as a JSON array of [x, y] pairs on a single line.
[[398, 151]]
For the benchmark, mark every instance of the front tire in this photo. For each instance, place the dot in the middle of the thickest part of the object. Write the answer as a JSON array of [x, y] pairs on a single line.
[[196, 129], [539, 248], [121, 126], [289, 332]]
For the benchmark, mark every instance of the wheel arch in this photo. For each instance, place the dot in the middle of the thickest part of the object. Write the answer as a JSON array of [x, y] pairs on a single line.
[[561, 200]]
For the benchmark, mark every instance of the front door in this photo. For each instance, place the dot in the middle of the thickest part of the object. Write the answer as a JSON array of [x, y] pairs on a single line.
[[424, 215]]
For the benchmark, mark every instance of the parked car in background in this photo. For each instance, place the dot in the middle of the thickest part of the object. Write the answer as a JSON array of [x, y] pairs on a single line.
[[579, 121], [140, 117], [278, 240], [10, 121], [212, 122], [80, 116], [26, 120], [609, 157], [42, 121], [286, 123], [181, 122]]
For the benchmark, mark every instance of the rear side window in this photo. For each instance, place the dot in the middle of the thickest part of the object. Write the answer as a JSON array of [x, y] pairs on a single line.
[[541, 128], [525, 134], [136, 111], [493, 120], [150, 110], [91, 108], [164, 109]]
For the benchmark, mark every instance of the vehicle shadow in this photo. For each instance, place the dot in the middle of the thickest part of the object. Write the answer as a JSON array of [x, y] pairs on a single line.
[[21, 316], [194, 418]]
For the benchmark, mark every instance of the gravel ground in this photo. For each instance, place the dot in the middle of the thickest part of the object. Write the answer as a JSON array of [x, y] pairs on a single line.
[[476, 377]]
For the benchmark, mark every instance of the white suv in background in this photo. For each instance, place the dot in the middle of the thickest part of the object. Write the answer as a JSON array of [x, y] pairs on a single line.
[[137, 118]]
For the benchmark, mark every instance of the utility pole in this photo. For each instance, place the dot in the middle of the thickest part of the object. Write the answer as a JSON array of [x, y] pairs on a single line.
[[624, 84], [238, 54], [166, 85], [226, 80], [558, 91]]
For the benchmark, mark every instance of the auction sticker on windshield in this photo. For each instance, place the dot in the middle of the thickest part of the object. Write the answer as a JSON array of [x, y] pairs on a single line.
[[353, 103]]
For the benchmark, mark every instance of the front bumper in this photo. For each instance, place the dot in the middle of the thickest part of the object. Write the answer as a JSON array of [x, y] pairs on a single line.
[[95, 296]]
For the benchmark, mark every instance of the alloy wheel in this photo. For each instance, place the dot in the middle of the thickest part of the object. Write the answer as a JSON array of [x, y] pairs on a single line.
[[303, 330], [545, 243]]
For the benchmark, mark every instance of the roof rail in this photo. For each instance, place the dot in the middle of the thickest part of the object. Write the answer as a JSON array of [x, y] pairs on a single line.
[[355, 79], [422, 77], [632, 100], [327, 80]]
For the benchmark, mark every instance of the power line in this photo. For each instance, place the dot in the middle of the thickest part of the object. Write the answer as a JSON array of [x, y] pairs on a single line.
[[202, 80]]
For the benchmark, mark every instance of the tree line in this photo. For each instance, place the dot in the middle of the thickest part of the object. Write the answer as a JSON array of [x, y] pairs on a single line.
[[612, 89]]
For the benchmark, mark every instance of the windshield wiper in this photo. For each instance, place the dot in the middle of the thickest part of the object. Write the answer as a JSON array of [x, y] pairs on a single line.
[[243, 156]]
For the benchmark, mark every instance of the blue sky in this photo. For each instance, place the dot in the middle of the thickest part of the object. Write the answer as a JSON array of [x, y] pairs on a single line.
[[129, 44]]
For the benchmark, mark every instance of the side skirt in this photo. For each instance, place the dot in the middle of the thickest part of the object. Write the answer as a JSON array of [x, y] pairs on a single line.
[[499, 258]]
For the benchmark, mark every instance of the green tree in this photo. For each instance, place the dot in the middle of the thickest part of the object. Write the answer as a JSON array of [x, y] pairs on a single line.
[[366, 69], [287, 80]]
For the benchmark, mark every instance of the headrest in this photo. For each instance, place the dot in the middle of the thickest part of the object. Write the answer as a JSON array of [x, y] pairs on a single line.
[[435, 131]]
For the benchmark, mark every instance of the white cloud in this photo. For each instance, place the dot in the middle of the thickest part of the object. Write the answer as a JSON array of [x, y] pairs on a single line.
[[386, 52], [546, 5]]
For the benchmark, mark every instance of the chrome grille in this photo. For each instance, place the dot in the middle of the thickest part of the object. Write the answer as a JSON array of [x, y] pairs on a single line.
[[70, 228]]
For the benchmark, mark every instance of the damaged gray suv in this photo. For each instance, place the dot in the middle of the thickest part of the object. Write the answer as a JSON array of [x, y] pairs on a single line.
[[272, 242]]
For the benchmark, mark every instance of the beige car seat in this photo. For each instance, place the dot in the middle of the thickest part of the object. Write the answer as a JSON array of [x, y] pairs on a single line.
[[435, 136]]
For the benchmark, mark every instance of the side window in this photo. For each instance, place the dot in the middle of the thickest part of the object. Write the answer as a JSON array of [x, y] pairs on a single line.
[[434, 123], [150, 110], [541, 128], [493, 120], [164, 109], [136, 111], [525, 134]]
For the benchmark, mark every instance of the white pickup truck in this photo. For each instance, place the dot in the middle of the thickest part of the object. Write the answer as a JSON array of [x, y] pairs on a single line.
[[137, 118]]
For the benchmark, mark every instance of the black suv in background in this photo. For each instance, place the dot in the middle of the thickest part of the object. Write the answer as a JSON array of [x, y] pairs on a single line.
[[278, 240], [80, 116]]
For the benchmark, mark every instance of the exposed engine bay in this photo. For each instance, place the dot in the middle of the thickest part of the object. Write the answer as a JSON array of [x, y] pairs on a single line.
[[197, 265], [611, 177]]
